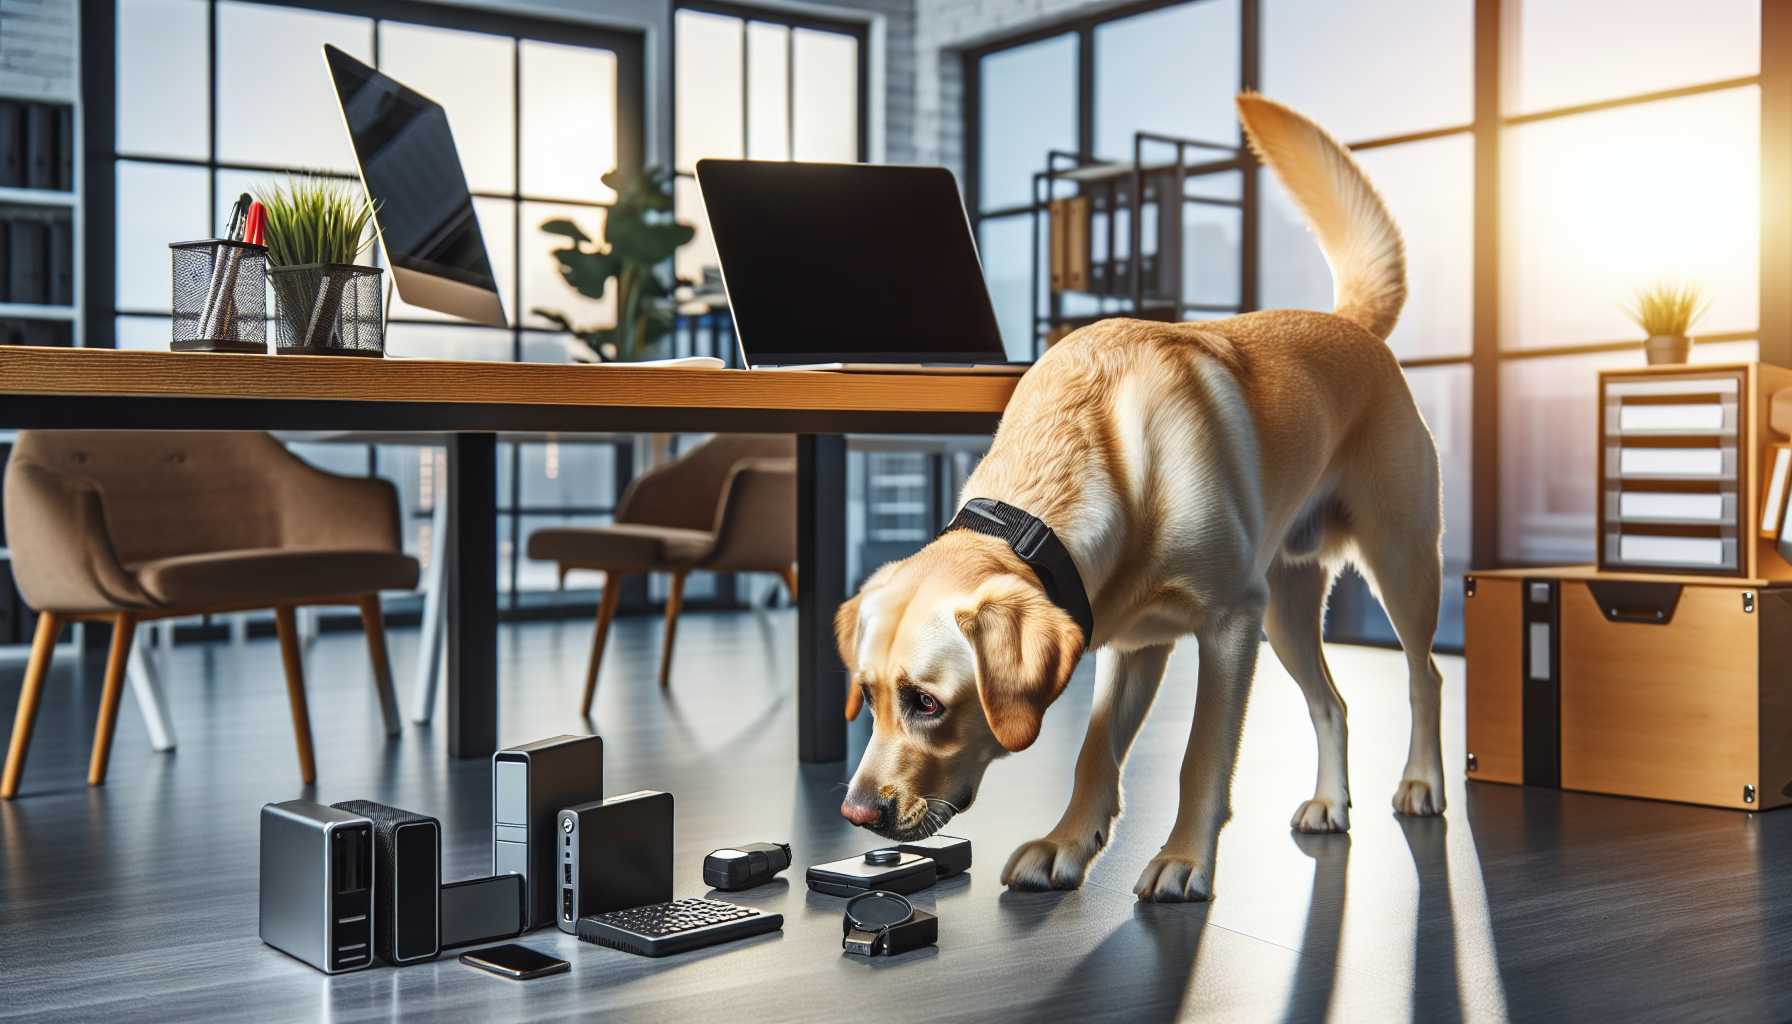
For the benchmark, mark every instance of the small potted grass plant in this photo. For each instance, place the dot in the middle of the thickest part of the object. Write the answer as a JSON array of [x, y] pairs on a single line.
[[1666, 311], [326, 303]]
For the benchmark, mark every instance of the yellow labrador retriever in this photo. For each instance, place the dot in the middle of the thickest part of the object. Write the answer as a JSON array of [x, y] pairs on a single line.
[[1207, 479]]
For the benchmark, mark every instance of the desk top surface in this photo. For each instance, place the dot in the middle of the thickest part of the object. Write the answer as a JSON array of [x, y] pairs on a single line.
[[110, 373]]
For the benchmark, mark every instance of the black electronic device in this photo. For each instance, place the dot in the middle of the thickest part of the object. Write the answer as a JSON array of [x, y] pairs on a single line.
[[515, 961], [662, 929], [888, 869], [530, 784], [806, 246], [317, 882], [423, 209], [614, 854], [743, 867], [950, 854], [482, 910], [885, 924], [407, 850]]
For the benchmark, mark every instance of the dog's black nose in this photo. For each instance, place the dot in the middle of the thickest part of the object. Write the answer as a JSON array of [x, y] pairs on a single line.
[[874, 816]]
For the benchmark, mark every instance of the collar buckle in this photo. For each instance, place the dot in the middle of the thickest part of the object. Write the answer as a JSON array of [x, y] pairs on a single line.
[[1031, 539]]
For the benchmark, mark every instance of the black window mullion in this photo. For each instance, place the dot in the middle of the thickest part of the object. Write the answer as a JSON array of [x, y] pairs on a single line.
[[746, 86], [790, 92], [517, 315], [1250, 63], [516, 183], [211, 114], [1085, 93]]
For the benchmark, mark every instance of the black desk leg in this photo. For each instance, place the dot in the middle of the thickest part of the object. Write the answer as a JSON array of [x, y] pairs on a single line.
[[472, 595], [821, 586]]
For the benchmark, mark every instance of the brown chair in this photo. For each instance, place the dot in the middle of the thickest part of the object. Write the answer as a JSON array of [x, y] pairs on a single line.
[[727, 505], [131, 526]]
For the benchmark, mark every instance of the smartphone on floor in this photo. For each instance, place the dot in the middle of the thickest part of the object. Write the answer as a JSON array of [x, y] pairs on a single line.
[[514, 961]]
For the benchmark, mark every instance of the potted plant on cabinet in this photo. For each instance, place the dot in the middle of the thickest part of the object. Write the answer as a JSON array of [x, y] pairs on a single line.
[[1666, 311], [639, 237]]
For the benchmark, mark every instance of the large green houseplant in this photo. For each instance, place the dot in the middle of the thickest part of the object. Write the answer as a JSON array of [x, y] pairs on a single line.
[[640, 236]]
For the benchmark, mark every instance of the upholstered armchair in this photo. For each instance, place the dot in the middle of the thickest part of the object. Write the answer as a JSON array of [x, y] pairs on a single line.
[[727, 505], [130, 526]]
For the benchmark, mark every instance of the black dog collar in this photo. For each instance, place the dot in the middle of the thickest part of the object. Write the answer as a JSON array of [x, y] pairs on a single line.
[[1037, 546]]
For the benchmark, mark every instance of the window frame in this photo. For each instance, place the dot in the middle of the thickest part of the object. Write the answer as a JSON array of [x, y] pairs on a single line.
[[1493, 21], [102, 156], [860, 31]]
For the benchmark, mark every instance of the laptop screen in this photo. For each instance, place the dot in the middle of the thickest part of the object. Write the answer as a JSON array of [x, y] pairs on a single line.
[[413, 173], [848, 263]]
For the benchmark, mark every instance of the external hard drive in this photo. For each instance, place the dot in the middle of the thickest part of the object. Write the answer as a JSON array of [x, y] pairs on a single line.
[[614, 854], [530, 784]]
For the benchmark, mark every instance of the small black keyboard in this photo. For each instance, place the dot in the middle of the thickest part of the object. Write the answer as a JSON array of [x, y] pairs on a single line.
[[661, 929]]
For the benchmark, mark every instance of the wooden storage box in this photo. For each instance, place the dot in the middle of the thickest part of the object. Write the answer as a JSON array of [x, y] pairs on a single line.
[[1682, 454], [1632, 684]]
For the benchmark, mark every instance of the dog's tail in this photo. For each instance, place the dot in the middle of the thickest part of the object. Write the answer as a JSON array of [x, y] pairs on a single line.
[[1359, 239]]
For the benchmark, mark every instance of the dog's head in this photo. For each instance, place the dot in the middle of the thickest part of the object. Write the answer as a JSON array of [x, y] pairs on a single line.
[[957, 652]]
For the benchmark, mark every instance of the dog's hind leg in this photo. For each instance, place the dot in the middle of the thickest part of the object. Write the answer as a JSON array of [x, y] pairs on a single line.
[[1125, 685], [1296, 606], [1183, 869], [1397, 533]]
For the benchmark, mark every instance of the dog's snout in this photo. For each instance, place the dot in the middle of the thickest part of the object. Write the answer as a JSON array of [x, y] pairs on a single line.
[[873, 815]]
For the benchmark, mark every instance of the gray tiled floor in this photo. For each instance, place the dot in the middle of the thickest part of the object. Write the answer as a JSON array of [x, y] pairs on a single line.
[[138, 900]]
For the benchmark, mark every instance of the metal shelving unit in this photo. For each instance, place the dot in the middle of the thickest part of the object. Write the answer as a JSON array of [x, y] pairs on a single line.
[[1137, 217]]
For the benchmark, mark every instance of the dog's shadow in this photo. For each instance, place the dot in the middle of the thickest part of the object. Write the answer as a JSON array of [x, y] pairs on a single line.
[[1144, 964], [1317, 969]]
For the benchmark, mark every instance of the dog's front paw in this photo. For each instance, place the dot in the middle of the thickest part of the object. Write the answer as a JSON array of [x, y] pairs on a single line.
[[1175, 878], [1319, 815], [1418, 798], [1050, 864]]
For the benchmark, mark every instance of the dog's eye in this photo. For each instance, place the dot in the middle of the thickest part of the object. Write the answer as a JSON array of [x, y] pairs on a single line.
[[928, 706]]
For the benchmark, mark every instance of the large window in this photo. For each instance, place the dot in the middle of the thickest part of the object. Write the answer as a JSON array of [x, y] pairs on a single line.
[[1173, 70], [760, 85], [1628, 140], [217, 97]]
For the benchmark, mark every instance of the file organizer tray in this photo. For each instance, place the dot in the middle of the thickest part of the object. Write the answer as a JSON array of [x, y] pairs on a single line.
[[1672, 471]]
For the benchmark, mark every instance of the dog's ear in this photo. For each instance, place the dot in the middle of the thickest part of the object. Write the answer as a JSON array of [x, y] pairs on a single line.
[[1026, 649], [846, 635]]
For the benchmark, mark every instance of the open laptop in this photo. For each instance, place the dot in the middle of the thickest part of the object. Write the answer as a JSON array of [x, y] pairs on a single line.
[[423, 210], [855, 267]]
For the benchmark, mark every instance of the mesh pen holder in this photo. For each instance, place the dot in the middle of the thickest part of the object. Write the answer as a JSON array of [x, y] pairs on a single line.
[[220, 296], [328, 309]]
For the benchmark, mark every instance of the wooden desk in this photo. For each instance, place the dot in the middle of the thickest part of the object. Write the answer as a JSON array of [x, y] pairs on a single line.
[[60, 388]]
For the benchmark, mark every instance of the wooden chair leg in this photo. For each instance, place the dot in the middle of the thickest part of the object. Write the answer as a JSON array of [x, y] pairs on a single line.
[[674, 600], [790, 582], [43, 648], [287, 626], [124, 630], [606, 610], [373, 623]]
